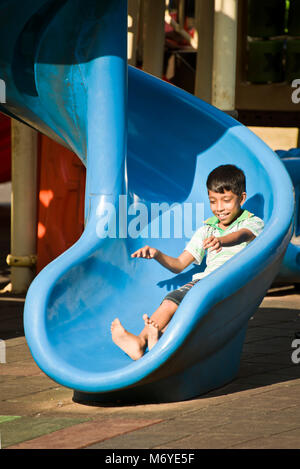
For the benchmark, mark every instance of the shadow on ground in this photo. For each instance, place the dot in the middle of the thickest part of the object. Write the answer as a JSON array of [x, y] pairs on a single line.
[[268, 349]]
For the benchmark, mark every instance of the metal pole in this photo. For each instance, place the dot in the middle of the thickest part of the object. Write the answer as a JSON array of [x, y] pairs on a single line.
[[23, 206], [154, 36], [204, 18], [225, 48]]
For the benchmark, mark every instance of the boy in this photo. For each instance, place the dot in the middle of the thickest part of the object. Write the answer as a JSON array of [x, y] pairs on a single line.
[[228, 232]]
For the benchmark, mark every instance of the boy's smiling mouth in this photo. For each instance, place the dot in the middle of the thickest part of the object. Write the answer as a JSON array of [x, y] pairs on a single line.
[[222, 216]]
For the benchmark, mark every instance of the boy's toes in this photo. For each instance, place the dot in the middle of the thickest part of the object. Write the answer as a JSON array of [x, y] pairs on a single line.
[[115, 324], [153, 324], [146, 319]]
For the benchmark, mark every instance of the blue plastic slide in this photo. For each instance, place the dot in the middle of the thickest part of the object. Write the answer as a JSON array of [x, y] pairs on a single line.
[[148, 152], [290, 268]]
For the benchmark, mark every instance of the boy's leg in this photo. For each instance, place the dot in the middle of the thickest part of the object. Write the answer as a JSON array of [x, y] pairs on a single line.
[[158, 322], [131, 344], [134, 345]]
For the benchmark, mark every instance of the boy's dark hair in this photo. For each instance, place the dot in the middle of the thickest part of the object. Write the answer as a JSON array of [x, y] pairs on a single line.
[[227, 177]]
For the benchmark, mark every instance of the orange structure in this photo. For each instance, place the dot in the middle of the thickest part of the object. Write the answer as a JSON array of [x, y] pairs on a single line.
[[60, 202]]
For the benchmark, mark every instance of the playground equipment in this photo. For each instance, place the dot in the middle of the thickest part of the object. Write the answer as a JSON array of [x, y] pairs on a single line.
[[156, 145], [290, 268]]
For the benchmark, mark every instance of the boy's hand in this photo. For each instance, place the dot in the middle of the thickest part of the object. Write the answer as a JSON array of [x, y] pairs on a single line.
[[213, 243], [147, 252]]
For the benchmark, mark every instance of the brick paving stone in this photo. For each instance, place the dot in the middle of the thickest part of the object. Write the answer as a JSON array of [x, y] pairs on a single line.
[[8, 418], [26, 428], [21, 386], [17, 353], [277, 358], [50, 399], [207, 440], [271, 345], [255, 433], [82, 435], [22, 368], [283, 440], [145, 438], [249, 368], [16, 341]]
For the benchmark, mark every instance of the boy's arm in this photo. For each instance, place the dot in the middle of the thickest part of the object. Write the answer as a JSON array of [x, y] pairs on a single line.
[[174, 264], [241, 236], [238, 237]]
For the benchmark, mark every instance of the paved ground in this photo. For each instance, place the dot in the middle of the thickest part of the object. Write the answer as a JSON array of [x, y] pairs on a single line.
[[259, 409]]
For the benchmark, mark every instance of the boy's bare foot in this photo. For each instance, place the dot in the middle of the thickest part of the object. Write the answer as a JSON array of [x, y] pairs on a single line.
[[153, 331], [129, 343]]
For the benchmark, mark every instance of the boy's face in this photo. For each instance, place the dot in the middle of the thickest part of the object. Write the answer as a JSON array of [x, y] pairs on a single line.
[[226, 206]]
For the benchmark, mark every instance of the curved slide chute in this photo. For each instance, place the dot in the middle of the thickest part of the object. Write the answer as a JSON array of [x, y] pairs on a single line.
[[144, 143]]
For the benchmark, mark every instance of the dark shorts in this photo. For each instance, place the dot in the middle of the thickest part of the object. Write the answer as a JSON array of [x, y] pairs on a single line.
[[177, 295]]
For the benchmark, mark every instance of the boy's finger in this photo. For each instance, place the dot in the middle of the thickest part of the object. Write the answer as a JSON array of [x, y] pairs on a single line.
[[215, 246], [209, 240], [210, 243], [146, 253]]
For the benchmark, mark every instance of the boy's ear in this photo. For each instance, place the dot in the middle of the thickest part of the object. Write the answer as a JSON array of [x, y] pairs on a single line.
[[243, 198]]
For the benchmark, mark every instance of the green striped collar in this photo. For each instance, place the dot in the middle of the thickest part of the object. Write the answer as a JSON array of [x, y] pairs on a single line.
[[213, 221]]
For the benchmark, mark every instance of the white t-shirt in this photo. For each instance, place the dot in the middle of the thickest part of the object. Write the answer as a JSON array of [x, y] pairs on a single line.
[[210, 228]]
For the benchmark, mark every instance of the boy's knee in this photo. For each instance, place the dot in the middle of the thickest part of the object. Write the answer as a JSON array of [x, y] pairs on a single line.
[[172, 299]]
